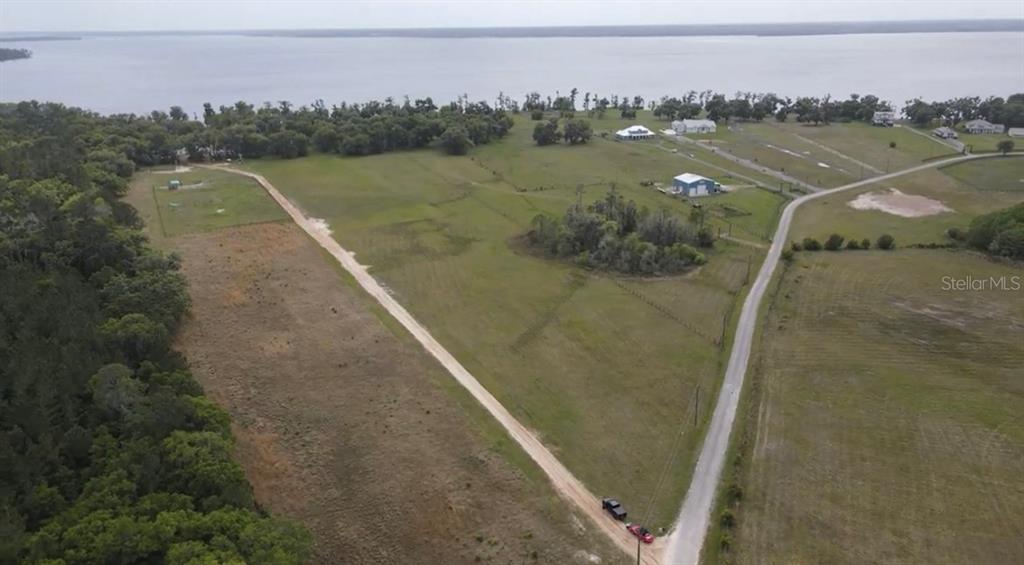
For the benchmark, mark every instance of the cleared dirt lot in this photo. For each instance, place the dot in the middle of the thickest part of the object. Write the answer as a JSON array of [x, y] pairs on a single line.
[[347, 426]]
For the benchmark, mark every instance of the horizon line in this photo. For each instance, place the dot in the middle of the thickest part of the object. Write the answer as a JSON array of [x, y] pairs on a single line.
[[1017, 23]]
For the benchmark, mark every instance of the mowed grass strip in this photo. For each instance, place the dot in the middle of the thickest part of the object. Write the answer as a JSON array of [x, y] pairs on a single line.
[[604, 368], [207, 200], [969, 189], [886, 421], [867, 143]]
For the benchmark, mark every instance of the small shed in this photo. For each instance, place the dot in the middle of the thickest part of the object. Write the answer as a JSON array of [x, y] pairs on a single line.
[[173, 184], [944, 133], [689, 184], [1015, 132]]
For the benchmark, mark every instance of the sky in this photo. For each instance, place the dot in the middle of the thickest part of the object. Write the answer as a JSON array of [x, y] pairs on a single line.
[[149, 15]]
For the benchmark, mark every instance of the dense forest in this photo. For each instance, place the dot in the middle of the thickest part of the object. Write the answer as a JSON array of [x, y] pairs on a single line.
[[9, 54], [613, 234], [109, 452]]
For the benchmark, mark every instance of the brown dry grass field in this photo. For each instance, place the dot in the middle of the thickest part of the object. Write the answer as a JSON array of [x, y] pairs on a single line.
[[883, 419], [345, 424]]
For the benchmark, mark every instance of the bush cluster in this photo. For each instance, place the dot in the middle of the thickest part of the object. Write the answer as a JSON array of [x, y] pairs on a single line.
[[614, 234], [837, 242], [998, 233]]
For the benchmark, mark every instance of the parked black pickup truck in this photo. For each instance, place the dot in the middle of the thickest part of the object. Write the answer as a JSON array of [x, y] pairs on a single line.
[[613, 507]]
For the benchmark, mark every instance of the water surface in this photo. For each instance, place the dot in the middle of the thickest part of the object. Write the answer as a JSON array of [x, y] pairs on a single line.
[[141, 73]]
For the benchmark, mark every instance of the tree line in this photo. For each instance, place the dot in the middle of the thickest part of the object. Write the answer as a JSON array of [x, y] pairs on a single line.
[[758, 106], [614, 234], [109, 451], [243, 130], [1008, 111]]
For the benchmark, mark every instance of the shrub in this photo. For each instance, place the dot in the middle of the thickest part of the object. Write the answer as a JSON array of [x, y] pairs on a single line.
[[725, 541], [796, 246], [853, 244], [834, 242], [536, 115], [727, 519], [865, 243], [811, 244], [886, 241], [787, 255]]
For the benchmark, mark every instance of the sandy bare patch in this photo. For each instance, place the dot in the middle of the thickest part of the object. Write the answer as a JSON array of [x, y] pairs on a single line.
[[784, 150], [321, 226], [177, 170], [897, 203]]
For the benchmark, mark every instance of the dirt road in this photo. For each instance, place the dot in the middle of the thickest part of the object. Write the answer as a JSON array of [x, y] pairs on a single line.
[[563, 480], [750, 164], [687, 539]]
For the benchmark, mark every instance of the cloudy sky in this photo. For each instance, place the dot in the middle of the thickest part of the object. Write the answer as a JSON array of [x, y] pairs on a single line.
[[123, 15]]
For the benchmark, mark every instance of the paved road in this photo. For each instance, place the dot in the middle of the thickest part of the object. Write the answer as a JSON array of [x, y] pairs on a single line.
[[687, 539], [564, 482]]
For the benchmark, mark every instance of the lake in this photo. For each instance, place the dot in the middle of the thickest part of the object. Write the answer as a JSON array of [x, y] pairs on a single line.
[[142, 73]]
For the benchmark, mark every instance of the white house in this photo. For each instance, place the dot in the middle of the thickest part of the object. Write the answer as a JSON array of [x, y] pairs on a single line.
[[883, 118], [634, 132], [689, 184], [1015, 132], [983, 126], [694, 126]]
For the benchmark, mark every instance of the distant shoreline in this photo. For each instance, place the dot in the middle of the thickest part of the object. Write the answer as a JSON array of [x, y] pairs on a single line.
[[687, 30]]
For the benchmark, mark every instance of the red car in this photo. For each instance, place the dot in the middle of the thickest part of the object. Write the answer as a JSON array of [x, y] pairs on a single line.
[[640, 532]]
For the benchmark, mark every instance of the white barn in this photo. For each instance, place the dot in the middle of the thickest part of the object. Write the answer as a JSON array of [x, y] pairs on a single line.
[[694, 126], [634, 132]]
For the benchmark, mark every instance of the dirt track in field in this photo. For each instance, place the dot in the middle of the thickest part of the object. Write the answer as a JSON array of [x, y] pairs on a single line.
[[564, 482], [346, 427]]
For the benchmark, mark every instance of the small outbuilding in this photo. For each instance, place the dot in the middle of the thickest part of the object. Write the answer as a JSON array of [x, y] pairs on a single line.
[[634, 132], [883, 118], [690, 185], [173, 184], [944, 133], [1015, 132], [694, 126]]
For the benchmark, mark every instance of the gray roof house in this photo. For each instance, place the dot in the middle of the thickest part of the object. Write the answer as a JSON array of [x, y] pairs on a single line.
[[883, 118], [944, 133], [983, 126], [694, 126]]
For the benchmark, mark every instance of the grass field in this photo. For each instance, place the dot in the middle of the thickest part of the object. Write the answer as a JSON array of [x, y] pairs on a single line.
[[342, 421], [970, 189], [882, 422], [869, 144], [604, 368], [208, 200]]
